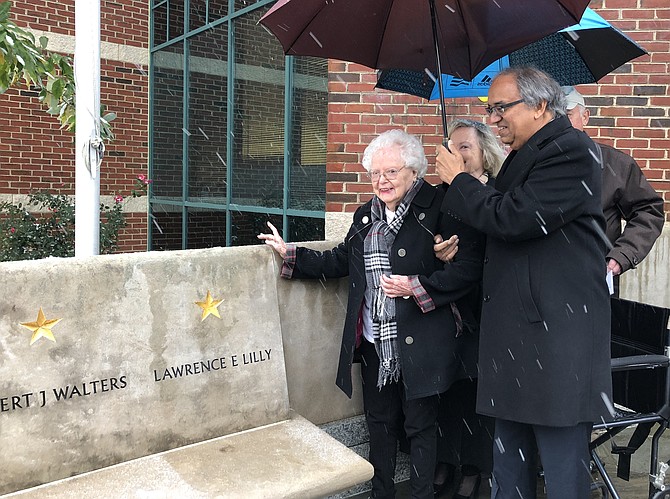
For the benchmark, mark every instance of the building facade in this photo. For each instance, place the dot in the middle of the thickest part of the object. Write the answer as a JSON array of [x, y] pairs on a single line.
[[233, 133], [36, 155], [238, 130]]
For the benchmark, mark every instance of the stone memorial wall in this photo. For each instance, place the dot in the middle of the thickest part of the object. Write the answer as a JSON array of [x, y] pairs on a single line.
[[110, 358]]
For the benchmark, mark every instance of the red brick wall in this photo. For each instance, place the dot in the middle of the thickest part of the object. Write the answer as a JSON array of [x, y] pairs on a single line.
[[134, 236], [630, 109], [125, 21], [36, 155]]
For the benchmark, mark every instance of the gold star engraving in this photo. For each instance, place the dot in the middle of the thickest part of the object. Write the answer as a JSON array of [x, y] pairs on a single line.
[[41, 328], [209, 306]]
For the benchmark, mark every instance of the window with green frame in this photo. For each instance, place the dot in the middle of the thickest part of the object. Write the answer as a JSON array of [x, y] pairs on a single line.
[[238, 130]]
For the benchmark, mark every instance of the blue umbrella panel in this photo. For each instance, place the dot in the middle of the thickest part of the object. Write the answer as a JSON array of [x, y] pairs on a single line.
[[582, 53]]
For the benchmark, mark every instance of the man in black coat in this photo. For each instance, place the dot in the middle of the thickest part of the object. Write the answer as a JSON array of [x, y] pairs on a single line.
[[544, 343]]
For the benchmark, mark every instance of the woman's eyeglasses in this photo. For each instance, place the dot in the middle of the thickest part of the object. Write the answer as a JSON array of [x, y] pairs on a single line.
[[501, 108], [390, 174]]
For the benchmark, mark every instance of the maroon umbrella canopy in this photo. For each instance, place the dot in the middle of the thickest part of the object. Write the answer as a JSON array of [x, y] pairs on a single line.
[[386, 34]]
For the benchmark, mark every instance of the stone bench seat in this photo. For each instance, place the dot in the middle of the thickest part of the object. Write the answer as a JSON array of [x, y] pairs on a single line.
[[289, 459]]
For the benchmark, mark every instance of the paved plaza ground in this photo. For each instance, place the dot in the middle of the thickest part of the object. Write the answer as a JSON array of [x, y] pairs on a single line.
[[636, 488]]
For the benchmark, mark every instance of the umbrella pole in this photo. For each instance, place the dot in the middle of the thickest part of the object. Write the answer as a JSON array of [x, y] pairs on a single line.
[[443, 111]]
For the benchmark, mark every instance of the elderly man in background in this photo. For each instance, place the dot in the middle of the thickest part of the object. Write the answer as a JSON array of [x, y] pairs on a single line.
[[544, 355], [626, 195]]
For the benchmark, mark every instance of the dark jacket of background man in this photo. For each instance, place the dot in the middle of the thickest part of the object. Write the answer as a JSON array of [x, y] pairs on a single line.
[[627, 195]]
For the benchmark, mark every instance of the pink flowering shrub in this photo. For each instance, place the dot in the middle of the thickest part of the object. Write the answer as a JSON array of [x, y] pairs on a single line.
[[28, 233]]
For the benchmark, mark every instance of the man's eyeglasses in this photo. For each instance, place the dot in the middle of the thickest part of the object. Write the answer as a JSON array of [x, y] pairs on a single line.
[[390, 174], [501, 108]]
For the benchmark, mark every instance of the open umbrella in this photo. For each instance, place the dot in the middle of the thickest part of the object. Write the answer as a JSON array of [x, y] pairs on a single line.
[[579, 54], [459, 37]]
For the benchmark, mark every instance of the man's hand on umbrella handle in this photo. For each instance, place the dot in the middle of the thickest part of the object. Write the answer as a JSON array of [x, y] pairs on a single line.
[[445, 250], [448, 163]]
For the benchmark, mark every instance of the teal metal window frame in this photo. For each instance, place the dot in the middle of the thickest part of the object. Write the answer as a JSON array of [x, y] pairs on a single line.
[[228, 207]]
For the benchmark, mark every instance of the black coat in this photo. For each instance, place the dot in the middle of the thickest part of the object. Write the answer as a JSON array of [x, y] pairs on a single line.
[[427, 342], [544, 341]]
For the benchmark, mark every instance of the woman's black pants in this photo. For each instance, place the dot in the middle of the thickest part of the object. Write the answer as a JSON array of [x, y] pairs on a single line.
[[384, 410]]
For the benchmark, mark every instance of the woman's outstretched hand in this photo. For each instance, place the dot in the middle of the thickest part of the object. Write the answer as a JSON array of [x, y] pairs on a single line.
[[274, 240]]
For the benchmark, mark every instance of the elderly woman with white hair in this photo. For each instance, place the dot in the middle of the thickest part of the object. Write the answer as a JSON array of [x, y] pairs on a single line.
[[402, 322]]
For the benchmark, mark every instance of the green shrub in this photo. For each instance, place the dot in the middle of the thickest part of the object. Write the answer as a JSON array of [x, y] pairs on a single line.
[[45, 225]]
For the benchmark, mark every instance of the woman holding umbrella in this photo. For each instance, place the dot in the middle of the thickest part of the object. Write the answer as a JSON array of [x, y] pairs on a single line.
[[401, 321]]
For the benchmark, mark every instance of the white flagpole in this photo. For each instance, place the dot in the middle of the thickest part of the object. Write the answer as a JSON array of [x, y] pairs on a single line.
[[88, 146]]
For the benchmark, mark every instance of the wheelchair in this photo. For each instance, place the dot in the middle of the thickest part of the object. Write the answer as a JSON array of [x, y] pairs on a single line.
[[640, 344]]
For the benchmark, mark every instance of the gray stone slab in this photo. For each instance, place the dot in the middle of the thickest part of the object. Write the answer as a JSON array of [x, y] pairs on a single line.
[[291, 459], [134, 369], [312, 316]]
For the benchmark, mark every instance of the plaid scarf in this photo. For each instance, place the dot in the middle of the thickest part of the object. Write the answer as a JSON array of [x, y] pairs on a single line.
[[376, 249]]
